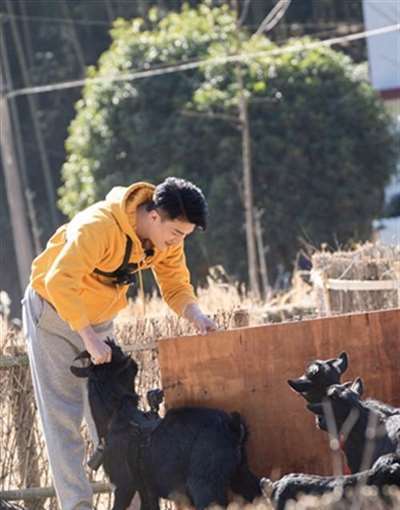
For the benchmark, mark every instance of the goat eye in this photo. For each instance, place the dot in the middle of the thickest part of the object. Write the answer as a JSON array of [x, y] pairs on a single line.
[[313, 370]]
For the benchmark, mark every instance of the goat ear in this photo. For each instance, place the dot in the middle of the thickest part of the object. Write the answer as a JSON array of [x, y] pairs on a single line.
[[300, 385], [80, 371], [267, 487], [316, 408], [358, 386], [341, 363]]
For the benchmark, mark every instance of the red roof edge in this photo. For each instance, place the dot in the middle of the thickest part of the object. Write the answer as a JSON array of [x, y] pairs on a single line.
[[390, 93]]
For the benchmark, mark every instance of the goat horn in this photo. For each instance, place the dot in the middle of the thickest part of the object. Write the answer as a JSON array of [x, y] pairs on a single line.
[[82, 355], [80, 371]]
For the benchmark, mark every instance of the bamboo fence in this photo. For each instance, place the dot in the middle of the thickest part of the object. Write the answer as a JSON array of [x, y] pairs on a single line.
[[24, 473]]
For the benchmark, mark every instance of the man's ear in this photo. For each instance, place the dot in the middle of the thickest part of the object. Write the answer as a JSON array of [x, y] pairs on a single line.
[[154, 215]]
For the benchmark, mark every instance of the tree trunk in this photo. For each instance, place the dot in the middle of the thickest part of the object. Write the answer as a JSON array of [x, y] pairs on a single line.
[[15, 196], [248, 188]]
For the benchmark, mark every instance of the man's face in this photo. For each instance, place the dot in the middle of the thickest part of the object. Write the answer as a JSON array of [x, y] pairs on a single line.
[[165, 232]]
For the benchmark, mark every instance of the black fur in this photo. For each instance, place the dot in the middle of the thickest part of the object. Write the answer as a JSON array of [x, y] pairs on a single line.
[[321, 374], [384, 472], [194, 452], [346, 404]]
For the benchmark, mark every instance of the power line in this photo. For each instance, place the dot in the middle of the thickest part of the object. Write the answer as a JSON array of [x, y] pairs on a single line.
[[382, 13], [75, 39], [394, 63], [27, 34], [168, 69], [48, 19], [273, 17], [244, 13], [109, 9]]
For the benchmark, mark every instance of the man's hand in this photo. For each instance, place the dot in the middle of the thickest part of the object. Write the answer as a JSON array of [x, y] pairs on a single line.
[[99, 351], [201, 322]]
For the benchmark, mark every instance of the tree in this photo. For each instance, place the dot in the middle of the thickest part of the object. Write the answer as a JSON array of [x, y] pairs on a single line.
[[322, 145]]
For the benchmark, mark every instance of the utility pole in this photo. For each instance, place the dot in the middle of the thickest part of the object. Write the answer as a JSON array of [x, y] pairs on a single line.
[[247, 171], [19, 148], [248, 188], [267, 24], [15, 196]]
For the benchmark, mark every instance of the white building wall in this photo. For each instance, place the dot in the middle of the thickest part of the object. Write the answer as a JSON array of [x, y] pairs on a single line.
[[383, 50]]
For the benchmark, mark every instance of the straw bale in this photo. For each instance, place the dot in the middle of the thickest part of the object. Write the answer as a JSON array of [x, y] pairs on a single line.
[[18, 412], [368, 262]]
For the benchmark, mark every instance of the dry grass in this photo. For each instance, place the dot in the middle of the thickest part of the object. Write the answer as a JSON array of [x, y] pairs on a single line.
[[22, 458], [365, 262]]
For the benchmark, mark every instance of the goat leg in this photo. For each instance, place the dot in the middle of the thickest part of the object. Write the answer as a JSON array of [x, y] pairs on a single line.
[[148, 500], [123, 497]]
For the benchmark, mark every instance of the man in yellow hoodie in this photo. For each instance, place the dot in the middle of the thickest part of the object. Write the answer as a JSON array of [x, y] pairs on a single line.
[[78, 285]]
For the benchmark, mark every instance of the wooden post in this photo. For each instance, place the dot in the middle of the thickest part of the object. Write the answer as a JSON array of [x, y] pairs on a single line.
[[261, 255], [47, 492], [396, 269], [23, 412], [241, 318], [248, 187]]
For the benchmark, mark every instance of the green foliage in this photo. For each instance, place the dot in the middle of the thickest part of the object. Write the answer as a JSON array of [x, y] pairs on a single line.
[[322, 149]]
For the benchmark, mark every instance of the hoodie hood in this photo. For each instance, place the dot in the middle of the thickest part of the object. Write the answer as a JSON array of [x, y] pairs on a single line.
[[63, 274], [123, 202]]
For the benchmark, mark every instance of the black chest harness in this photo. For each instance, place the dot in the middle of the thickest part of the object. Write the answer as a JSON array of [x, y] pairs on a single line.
[[125, 273], [142, 425]]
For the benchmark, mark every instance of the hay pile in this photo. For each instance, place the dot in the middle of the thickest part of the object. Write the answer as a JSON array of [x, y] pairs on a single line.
[[368, 262]]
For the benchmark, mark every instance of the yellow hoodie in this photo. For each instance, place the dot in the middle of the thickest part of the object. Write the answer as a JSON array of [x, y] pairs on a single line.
[[96, 238]]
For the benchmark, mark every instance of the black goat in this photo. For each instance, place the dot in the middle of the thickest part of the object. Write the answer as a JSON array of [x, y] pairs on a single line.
[[384, 472], [194, 452], [320, 374], [371, 432]]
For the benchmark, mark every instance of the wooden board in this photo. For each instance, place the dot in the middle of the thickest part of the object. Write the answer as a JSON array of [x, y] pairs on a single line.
[[247, 370]]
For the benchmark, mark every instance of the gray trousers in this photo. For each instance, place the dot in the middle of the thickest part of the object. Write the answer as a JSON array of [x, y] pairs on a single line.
[[61, 397]]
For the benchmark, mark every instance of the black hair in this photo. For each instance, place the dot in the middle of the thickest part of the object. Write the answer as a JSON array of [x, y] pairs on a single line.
[[179, 198]]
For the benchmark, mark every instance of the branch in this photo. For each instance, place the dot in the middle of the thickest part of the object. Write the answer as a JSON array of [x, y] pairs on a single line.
[[273, 17], [221, 116]]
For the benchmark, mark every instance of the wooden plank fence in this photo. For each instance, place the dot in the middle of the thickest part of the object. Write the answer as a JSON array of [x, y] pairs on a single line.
[[247, 370]]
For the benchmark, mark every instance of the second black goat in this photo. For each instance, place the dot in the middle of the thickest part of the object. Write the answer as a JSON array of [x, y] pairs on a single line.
[[197, 453], [368, 433], [384, 472], [321, 374]]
